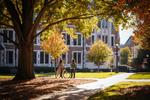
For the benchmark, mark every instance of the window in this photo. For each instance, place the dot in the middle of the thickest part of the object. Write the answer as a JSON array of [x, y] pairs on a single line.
[[44, 58], [34, 57], [74, 41], [77, 56], [106, 39], [64, 36], [77, 41], [93, 39], [9, 57], [9, 34], [103, 23], [112, 41], [99, 36], [103, 38], [5, 35], [41, 57], [68, 39]]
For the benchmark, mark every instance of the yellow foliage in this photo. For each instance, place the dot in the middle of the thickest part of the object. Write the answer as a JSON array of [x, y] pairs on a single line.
[[54, 45]]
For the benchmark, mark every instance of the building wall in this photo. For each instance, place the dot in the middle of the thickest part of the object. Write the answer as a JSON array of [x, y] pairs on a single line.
[[9, 56]]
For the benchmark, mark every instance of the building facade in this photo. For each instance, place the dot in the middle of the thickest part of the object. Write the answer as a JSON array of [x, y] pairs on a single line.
[[78, 48]]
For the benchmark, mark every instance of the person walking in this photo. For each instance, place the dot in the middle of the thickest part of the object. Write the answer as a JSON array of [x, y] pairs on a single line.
[[73, 68], [60, 69]]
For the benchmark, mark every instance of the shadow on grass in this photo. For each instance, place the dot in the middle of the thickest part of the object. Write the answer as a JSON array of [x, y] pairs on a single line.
[[131, 93], [24, 90]]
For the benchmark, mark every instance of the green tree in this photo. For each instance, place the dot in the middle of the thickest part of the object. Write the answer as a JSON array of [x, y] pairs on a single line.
[[26, 16], [99, 53], [139, 60], [125, 56]]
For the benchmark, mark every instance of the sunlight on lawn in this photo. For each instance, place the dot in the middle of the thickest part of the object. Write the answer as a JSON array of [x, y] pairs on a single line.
[[144, 75], [78, 75], [94, 74], [124, 91], [6, 76], [82, 74]]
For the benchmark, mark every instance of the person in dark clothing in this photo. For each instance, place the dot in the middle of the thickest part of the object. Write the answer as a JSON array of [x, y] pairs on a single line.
[[73, 68]]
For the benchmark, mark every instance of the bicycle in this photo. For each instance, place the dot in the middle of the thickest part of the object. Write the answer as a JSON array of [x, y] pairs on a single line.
[[66, 74]]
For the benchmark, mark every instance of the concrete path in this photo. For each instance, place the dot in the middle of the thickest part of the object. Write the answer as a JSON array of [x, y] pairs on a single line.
[[82, 92]]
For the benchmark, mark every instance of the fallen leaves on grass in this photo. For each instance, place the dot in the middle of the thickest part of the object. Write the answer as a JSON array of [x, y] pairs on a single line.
[[34, 88]]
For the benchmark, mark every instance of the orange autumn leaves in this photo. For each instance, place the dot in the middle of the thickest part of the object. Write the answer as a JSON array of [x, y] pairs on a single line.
[[141, 10], [54, 45]]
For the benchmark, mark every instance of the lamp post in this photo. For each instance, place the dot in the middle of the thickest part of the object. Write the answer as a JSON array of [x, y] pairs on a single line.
[[116, 49]]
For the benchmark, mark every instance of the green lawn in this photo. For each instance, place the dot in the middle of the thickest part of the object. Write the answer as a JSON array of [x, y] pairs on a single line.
[[84, 74], [6, 76], [78, 75], [144, 75], [94, 74], [124, 91]]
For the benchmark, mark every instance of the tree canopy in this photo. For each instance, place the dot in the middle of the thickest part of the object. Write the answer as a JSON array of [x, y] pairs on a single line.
[[28, 16], [138, 12]]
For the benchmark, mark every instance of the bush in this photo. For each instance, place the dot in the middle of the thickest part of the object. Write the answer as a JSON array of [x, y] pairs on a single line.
[[8, 70], [44, 69]]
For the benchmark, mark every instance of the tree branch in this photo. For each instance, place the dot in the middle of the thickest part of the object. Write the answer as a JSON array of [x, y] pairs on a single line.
[[15, 43], [19, 12], [7, 25], [6, 16], [41, 13], [15, 17], [84, 16]]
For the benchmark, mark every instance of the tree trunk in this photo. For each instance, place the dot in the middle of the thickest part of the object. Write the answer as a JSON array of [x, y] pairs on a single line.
[[25, 62]]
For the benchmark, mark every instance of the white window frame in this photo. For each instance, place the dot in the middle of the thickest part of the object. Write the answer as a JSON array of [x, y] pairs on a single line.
[[77, 40], [43, 64], [13, 57], [77, 57], [8, 29]]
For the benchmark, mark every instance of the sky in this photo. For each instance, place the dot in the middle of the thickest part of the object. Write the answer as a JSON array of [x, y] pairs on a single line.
[[125, 34]]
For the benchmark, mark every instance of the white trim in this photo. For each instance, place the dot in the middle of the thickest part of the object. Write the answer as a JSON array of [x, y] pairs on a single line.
[[13, 32], [38, 59], [13, 63], [79, 65]]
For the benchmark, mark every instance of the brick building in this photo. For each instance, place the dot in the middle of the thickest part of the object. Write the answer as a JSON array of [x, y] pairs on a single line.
[[78, 48]]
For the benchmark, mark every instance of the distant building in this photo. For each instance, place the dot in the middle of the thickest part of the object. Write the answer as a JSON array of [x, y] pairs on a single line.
[[132, 46], [78, 48]]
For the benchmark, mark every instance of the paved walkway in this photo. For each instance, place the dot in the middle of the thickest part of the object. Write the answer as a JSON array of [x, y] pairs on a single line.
[[82, 92]]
